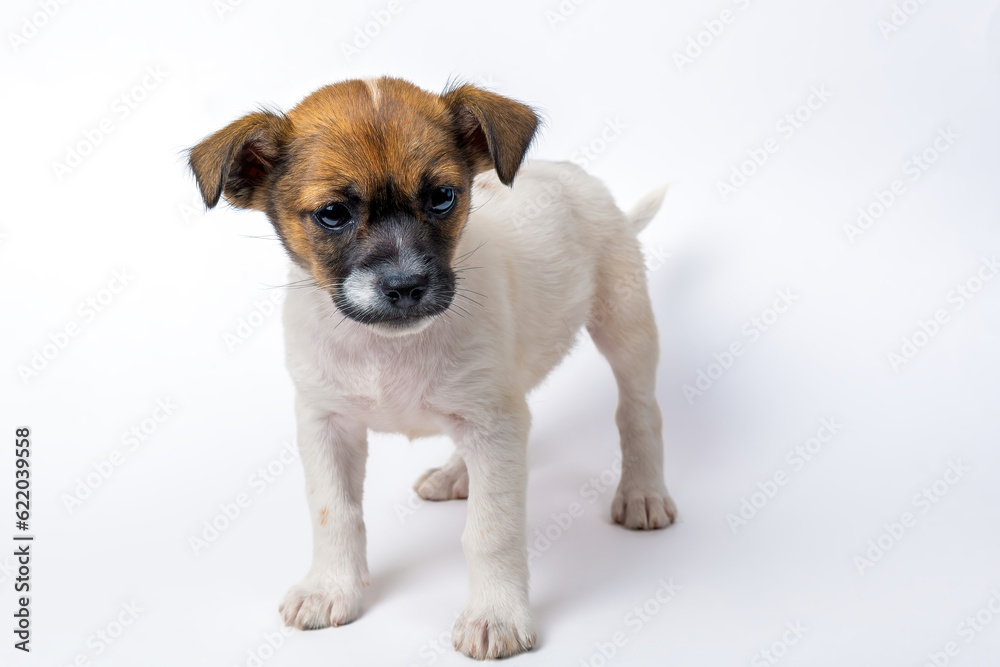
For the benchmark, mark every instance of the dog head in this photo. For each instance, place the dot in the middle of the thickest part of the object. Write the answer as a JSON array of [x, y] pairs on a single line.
[[368, 185]]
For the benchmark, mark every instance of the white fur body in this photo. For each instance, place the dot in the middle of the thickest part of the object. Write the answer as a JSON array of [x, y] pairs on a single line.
[[538, 276], [542, 259]]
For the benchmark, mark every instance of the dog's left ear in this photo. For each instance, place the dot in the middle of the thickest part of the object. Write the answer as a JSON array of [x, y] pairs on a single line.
[[495, 130]]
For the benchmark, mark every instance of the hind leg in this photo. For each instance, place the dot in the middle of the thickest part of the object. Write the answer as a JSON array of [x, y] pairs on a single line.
[[449, 482], [622, 327]]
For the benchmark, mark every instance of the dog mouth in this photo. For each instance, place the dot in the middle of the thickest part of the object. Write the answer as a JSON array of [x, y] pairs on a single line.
[[394, 302]]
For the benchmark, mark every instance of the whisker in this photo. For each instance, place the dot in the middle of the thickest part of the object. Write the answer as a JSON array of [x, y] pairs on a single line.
[[305, 282], [466, 289], [473, 209], [469, 298], [339, 323], [458, 260]]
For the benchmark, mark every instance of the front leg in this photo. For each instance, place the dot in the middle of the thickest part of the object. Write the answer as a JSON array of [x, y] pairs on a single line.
[[334, 450], [496, 621]]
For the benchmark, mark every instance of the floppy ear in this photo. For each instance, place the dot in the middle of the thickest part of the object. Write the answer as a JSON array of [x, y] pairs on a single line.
[[237, 159], [496, 130]]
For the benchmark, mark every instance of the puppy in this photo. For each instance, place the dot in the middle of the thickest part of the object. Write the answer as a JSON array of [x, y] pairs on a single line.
[[439, 293]]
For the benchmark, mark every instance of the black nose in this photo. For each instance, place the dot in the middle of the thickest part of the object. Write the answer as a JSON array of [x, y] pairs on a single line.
[[404, 290]]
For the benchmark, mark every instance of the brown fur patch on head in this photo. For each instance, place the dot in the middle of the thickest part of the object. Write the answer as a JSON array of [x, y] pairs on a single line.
[[381, 148], [379, 153]]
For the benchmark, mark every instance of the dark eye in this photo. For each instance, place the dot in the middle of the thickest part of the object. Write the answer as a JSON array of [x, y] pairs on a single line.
[[442, 200], [333, 216]]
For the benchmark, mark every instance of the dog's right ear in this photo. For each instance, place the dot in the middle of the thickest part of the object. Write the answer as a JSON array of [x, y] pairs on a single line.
[[238, 159]]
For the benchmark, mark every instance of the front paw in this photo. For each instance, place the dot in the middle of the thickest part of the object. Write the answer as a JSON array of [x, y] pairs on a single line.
[[314, 604], [640, 509], [487, 633]]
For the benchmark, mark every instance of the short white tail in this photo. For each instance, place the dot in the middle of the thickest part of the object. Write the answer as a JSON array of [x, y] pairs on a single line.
[[646, 209]]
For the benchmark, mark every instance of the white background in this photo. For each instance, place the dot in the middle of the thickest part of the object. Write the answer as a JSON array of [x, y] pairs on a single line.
[[131, 205]]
